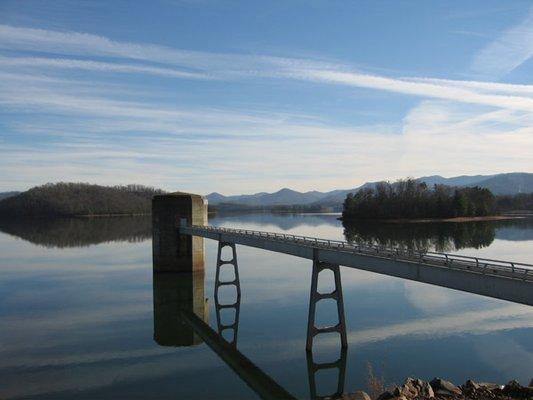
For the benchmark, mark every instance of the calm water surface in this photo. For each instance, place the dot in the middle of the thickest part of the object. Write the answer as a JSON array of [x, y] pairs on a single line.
[[77, 313]]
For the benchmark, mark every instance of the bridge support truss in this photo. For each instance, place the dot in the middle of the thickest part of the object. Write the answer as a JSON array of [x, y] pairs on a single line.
[[312, 331], [235, 306], [315, 296]]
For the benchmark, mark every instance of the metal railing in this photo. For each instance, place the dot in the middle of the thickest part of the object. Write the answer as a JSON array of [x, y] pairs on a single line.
[[485, 266]]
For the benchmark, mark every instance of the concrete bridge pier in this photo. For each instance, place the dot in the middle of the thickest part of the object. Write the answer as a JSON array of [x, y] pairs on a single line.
[[174, 252], [315, 296]]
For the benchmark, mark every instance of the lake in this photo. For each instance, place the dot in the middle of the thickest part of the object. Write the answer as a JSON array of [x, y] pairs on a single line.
[[77, 313]]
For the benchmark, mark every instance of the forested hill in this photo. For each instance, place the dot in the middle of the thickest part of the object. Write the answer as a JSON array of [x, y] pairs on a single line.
[[412, 199], [79, 199]]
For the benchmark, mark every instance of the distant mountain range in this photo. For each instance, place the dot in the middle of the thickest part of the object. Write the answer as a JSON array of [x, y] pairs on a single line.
[[499, 184], [5, 195]]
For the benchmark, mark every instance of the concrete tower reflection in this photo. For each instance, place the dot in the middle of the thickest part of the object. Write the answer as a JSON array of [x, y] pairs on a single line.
[[174, 293]]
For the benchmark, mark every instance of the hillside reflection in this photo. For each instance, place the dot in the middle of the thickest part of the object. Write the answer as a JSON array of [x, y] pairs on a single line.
[[78, 232], [438, 236], [443, 237]]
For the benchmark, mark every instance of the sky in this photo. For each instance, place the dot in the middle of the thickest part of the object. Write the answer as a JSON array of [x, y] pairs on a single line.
[[249, 96]]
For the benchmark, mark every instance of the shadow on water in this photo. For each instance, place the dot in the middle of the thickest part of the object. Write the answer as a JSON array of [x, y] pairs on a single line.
[[78, 232], [437, 236]]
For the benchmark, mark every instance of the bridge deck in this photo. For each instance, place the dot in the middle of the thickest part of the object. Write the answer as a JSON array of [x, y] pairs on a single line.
[[500, 279]]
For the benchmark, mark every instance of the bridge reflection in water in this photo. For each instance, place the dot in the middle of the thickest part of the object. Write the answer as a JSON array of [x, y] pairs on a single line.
[[180, 319]]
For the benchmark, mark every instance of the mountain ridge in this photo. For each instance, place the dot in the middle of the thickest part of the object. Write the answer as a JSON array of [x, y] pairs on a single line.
[[499, 184], [5, 195]]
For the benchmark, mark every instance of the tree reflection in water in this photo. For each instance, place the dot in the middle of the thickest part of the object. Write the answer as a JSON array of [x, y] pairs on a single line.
[[441, 236], [78, 232]]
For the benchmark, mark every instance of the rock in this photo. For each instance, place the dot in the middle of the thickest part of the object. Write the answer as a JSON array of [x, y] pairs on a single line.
[[444, 388], [515, 390], [425, 389], [385, 396], [481, 390], [359, 395], [473, 390], [489, 386], [408, 389], [469, 384], [414, 388]]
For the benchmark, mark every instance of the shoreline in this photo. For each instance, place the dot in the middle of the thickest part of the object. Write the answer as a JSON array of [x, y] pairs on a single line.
[[427, 220]]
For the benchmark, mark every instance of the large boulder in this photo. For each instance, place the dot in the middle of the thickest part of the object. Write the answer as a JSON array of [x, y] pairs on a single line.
[[444, 388], [414, 388]]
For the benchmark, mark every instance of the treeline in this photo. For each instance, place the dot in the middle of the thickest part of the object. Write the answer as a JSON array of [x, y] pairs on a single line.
[[79, 199], [408, 198]]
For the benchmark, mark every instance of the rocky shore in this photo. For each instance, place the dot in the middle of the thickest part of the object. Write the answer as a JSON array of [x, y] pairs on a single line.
[[440, 389]]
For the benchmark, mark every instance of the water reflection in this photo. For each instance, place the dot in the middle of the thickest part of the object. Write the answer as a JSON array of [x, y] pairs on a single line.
[[284, 221], [180, 319], [232, 308], [83, 232], [436, 236], [339, 366], [174, 292], [78, 232], [79, 323], [442, 237]]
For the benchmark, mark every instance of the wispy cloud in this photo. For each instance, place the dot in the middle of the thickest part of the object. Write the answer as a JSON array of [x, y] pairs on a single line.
[[510, 50], [413, 87], [98, 66], [93, 127], [205, 65], [494, 87], [84, 44]]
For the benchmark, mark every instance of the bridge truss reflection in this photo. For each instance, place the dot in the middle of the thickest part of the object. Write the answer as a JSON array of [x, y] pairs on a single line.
[[235, 306], [180, 319]]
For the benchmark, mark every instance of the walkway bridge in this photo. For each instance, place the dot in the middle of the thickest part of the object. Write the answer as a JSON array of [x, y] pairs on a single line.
[[179, 224], [494, 278]]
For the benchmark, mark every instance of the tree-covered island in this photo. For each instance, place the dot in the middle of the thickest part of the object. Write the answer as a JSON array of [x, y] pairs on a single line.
[[79, 199], [410, 199]]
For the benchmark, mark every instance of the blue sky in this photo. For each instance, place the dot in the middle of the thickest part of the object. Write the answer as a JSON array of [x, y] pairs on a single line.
[[248, 96]]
